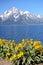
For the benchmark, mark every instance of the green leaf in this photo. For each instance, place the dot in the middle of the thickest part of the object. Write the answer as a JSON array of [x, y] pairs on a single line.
[[29, 59], [24, 59], [41, 57], [37, 59], [18, 62]]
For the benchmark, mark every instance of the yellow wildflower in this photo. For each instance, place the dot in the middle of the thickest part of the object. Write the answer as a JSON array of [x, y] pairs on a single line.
[[11, 58], [12, 41], [15, 56], [16, 48], [27, 40], [20, 55], [30, 41], [8, 53], [23, 40], [36, 43], [39, 47], [19, 45], [11, 45], [0, 41], [5, 41]]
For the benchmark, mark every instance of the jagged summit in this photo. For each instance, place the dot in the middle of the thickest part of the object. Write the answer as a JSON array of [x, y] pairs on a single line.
[[16, 16]]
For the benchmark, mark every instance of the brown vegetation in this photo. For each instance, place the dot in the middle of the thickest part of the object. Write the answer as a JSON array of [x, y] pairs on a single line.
[[5, 62]]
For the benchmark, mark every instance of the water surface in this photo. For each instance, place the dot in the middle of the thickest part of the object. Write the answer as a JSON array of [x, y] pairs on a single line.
[[17, 33]]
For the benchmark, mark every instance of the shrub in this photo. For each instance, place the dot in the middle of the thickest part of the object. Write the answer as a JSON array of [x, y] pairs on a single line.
[[24, 53]]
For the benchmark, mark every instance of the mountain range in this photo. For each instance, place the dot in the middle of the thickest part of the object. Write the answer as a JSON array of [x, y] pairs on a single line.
[[18, 17]]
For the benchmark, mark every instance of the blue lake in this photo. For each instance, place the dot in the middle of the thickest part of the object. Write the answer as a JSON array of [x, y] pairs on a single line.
[[17, 33]]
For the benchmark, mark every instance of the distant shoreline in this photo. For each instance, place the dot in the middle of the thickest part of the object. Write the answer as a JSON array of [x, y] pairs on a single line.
[[21, 25]]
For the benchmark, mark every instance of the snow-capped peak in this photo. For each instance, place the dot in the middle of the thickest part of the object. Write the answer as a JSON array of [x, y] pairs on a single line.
[[16, 12], [26, 12], [13, 11], [38, 16], [18, 15]]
